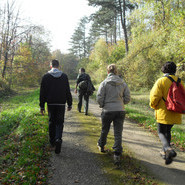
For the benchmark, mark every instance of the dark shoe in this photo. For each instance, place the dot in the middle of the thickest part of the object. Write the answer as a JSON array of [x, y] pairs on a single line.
[[58, 144], [174, 154], [101, 148], [170, 153]]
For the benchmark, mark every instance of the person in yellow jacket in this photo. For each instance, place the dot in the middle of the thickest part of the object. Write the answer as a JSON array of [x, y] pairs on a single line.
[[165, 118]]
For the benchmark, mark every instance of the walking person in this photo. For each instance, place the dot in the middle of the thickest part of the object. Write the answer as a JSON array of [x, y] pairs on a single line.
[[112, 94], [165, 118], [55, 91], [83, 83]]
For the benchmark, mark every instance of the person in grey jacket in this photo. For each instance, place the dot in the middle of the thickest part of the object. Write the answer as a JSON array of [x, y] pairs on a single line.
[[112, 94]]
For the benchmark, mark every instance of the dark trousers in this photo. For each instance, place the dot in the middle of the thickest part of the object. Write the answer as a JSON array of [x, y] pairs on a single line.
[[164, 132], [82, 95], [117, 117], [56, 121]]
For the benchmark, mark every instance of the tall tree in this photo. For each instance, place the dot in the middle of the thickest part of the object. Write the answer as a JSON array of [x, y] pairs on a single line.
[[120, 9], [79, 39]]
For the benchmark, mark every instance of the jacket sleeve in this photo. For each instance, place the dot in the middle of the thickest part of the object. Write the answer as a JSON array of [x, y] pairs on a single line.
[[69, 96], [100, 97], [42, 94], [126, 94], [155, 95]]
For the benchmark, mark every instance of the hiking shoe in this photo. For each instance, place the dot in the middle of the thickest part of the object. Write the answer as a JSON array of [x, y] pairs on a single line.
[[58, 144], [100, 148], [117, 159], [170, 153], [174, 154]]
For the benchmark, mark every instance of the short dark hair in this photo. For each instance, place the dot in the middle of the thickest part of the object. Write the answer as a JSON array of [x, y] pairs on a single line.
[[169, 67], [82, 70], [55, 63]]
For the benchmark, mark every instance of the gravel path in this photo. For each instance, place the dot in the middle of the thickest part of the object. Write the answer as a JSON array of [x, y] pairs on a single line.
[[76, 164]]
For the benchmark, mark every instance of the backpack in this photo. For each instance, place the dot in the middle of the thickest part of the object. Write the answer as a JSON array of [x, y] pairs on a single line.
[[90, 88], [176, 97], [83, 85]]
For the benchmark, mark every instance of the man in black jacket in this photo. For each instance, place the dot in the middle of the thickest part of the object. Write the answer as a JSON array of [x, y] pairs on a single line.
[[55, 91], [82, 84]]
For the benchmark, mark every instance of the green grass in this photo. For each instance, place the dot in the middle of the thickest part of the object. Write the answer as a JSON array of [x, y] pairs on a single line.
[[23, 140], [130, 172]]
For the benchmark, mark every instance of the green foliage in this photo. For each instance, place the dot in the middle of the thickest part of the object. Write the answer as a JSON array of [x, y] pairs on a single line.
[[117, 52], [98, 61]]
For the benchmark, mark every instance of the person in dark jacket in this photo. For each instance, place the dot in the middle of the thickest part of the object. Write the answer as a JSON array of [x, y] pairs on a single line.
[[82, 92], [55, 90]]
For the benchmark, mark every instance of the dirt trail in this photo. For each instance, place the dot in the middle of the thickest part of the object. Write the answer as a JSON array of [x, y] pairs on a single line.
[[145, 147], [75, 164]]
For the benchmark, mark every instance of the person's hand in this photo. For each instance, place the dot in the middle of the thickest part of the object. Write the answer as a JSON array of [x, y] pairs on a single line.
[[69, 108], [42, 111]]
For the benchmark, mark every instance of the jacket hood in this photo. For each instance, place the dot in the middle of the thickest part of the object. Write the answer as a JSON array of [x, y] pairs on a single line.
[[55, 72], [114, 80]]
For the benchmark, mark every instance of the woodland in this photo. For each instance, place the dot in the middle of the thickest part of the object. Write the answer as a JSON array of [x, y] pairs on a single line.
[[137, 35]]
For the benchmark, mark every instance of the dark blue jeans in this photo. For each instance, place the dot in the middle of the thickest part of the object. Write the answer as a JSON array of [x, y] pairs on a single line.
[[164, 132], [56, 121], [117, 117], [82, 95]]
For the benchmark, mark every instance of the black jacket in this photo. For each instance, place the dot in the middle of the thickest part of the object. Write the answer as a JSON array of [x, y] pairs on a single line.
[[55, 90]]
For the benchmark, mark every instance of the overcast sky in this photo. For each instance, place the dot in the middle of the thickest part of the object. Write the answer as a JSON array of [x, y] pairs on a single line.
[[60, 17]]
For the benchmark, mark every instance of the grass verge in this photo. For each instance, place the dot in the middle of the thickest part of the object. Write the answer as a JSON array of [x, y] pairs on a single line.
[[23, 138], [130, 171]]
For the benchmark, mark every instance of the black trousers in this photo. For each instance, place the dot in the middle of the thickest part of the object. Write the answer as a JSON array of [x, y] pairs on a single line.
[[82, 95], [56, 122]]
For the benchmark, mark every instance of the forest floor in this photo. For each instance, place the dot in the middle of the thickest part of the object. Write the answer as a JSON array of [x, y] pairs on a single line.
[[66, 168]]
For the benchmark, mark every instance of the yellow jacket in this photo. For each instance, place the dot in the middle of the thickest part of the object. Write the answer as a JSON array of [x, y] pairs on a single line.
[[159, 90]]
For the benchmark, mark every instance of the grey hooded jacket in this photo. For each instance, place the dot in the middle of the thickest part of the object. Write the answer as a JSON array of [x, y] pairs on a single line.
[[113, 93]]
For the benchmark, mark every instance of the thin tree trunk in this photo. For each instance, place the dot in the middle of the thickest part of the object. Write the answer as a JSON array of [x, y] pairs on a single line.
[[115, 28], [123, 23]]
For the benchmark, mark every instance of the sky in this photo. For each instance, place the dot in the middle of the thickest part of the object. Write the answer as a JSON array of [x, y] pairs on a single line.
[[60, 17]]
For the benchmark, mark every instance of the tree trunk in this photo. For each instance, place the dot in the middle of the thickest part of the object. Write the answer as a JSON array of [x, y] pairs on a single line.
[[123, 23], [115, 28]]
